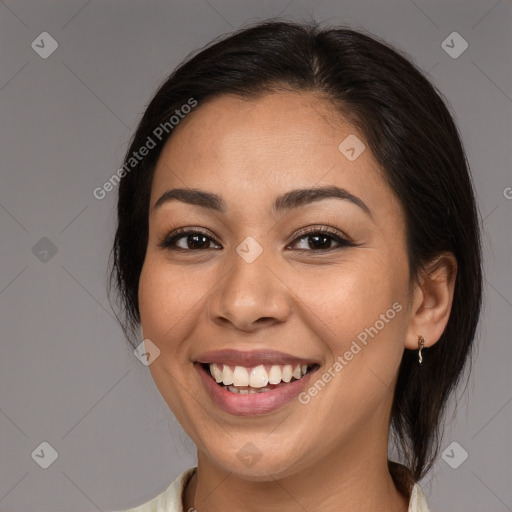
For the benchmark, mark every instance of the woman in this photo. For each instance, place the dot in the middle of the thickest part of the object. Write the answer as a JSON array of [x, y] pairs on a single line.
[[298, 238]]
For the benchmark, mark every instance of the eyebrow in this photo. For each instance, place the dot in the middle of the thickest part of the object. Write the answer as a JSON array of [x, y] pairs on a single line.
[[284, 202]]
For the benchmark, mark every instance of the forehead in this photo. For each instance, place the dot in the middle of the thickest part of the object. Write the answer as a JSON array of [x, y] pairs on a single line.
[[249, 149], [252, 132]]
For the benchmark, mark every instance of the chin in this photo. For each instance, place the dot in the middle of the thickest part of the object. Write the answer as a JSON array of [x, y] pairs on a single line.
[[257, 466]]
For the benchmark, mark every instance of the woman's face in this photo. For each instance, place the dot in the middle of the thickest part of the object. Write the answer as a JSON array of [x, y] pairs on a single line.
[[258, 283]]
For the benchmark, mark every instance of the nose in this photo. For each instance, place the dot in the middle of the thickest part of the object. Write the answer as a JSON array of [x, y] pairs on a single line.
[[250, 296]]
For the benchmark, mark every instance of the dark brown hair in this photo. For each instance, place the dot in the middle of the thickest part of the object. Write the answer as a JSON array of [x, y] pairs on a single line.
[[411, 134]]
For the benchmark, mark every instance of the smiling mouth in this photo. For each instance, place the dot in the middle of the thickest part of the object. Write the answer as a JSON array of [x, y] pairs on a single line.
[[258, 379]]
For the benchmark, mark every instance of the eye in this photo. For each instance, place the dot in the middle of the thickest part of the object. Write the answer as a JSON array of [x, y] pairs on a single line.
[[184, 239], [321, 238], [193, 240]]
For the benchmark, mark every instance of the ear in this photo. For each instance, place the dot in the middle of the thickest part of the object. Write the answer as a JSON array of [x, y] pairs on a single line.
[[432, 301]]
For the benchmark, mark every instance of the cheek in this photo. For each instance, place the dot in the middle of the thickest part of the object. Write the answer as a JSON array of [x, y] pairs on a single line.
[[359, 314], [360, 311], [170, 298], [167, 298], [163, 299], [352, 295]]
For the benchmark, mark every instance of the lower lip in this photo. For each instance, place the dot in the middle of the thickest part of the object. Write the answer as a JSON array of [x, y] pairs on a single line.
[[255, 403]]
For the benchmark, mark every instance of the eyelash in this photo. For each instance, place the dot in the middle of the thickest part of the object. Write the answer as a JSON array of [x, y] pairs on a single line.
[[168, 241]]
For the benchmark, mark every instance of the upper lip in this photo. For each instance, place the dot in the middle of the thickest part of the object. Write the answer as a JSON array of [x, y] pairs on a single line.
[[251, 358]]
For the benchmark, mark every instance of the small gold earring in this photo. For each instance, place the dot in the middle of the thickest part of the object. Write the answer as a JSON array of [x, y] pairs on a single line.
[[421, 342]]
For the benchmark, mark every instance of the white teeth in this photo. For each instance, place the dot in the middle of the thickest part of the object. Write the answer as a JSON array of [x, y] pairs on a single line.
[[256, 377], [274, 375], [249, 391], [227, 375], [287, 373], [240, 376], [216, 373]]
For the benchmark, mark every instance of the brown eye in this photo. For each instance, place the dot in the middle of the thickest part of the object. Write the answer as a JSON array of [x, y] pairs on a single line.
[[318, 240], [193, 240], [321, 240]]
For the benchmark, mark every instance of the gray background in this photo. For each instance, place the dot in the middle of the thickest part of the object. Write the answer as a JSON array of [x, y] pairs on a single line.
[[67, 376]]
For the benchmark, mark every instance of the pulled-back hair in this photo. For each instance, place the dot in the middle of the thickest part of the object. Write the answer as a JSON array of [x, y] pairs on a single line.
[[409, 130]]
